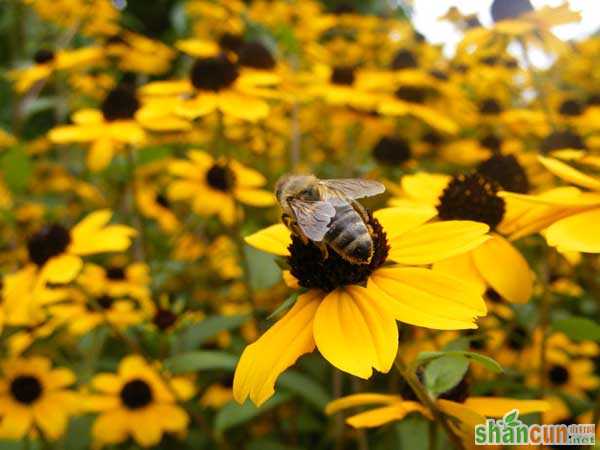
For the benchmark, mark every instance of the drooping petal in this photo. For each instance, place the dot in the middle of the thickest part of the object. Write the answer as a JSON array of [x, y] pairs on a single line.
[[263, 361], [505, 269], [111, 427], [498, 406], [16, 423], [378, 416], [51, 419], [274, 239], [434, 242], [576, 233], [467, 418], [463, 268], [426, 298], [143, 425], [354, 333], [570, 174], [61, 269]]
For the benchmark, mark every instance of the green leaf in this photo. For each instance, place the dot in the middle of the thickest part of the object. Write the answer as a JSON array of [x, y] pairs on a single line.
[[284, 307], [578, 328], [234, 414], [195, 335], [305, 387], [16, 167], [264, 273], [78, 435], [445, 372], [486, 361], [461, 344], [201, 360]]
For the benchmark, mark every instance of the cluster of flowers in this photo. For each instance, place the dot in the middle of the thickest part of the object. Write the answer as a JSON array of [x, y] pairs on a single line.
[[489, 222]]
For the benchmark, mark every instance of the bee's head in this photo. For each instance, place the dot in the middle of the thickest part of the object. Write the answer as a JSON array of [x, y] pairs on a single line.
[[290, 186]]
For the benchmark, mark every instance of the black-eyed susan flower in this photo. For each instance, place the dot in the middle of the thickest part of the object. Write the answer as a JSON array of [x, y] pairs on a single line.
[[47, 62], [214, 186], [33, 396], [138, 54], [474, 197], [349, 311], [108, 129], [135, 402], [155, 205]]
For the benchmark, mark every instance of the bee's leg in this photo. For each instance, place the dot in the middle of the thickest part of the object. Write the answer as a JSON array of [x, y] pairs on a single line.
[[360, 209], [289, 222], [324, 250]]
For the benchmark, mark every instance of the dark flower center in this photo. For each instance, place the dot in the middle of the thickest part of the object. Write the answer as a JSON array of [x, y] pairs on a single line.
[[213, 74], [312, 271], [562, 139], [490, 60], [115, 273], [593, 100], [162, 200], [136, 394], [105, 301], [48, 242], [439, 75], [392, 151], [26, 389], [343, 75], [570, 107], [558, 375], [411, 94], [116, 39], [472, 197], [344, 8], [511, 63], [491, 141], [43, 55], [509, 9], [120, 104], [432, 138], [492, 295], [517, 339], [490, 106], [506, 171], [257, 56], [220, 177], [231, 42], [164, 318], [404, 59]]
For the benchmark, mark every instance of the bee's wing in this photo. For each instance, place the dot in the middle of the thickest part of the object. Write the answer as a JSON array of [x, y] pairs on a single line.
[[313, 217], [354, 188]]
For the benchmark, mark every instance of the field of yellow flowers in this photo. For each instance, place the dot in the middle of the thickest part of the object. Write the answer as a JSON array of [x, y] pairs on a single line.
[[295, 224]]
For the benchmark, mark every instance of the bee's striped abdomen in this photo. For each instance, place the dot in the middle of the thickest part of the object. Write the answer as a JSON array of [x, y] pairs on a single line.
[[349, 237]]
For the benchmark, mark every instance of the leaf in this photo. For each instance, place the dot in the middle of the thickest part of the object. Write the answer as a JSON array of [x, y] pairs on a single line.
[[443, 373], [234, 414], [305, 387], [486, 361], [264, 273], [201, 360], [16, 169], [284, 307], [578, 328], [461, 344], [195, 335]]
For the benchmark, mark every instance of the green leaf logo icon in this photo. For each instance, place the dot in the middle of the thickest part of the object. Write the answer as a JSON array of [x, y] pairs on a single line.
[[511, 418]]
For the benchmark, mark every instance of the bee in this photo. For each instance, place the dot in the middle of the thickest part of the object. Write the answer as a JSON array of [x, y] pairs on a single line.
[[326, 213]]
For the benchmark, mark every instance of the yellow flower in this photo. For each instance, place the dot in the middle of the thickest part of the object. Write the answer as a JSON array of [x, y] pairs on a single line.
[[567, 215], [215, 84], [107, 130], [47, 62], [32, 394], [474, 197], [155, 205], [139, 54], [468, 412], [349, 311], [136, 402], [214, 186]]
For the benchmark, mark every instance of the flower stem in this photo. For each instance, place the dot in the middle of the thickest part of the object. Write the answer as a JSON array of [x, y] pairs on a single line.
[[411, 379]]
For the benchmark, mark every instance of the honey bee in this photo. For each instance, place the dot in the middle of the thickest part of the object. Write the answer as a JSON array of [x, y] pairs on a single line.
[[326, 212]]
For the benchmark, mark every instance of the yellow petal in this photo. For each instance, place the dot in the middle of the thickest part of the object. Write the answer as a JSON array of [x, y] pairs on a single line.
[[426, 298], [498, 406], [425, 186], [197, 107], [87, 116], [61, 269], [505, 269], [263, 361], [463, 268], [368, 398], [100, 154], [16, 423], [570, 174], [111, 427], [466, 416], [437, 241], [144, 427], [75, 133], [274, 239], [246, 176], [577, 233], [52, 420], [243, 107], [398, 220], [354, 333], [198, 47], [175, 87], [378, 416], [255, 197]]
